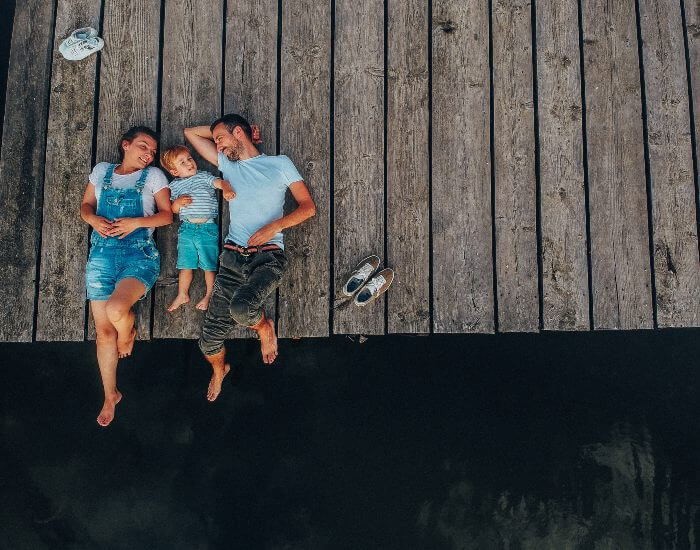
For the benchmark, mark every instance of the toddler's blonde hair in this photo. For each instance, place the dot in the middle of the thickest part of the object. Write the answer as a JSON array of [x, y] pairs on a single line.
[[167, 157]]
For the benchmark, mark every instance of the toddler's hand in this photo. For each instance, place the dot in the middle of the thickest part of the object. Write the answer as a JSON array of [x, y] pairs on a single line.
[[183, 200], [229, 194], [103, 226]]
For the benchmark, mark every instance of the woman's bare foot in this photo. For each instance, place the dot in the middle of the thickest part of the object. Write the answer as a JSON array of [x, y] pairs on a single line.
[[268, 341], [178, 301], [107, 413], [125, 347], [203, 304], [215, 382]]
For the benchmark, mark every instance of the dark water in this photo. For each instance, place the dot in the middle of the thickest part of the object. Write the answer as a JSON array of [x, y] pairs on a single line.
[[510, 441]]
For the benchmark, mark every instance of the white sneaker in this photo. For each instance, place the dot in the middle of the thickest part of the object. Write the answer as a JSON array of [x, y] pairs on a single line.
[[83, 48], [376, 286], [362, 272], [76, 36]]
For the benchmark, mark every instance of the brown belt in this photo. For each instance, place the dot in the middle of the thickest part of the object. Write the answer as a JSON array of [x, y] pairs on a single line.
[[247, 251]]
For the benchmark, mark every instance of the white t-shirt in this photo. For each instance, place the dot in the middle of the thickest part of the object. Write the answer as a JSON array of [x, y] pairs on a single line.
[[155, 181]]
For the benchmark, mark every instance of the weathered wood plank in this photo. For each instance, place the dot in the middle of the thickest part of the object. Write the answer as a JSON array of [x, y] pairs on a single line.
[[128, 92], [676, 265], [692, 21], [250, 84], [563, 214], [514, 159], [22, 164], [462, 240], [305, 138], [61, 306], [408, 192], [359, 152], [189, 96], [621, 274]]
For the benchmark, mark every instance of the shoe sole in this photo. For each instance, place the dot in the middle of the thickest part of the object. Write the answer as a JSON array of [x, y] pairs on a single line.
[[363, 262], [388, 274]]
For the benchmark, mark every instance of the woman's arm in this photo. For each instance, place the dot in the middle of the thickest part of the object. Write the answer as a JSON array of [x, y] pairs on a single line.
[[123, 226], [88, 209]]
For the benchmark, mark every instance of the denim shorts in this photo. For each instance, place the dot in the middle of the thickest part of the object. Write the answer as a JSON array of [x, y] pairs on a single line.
[[198, 245], [107, 265]]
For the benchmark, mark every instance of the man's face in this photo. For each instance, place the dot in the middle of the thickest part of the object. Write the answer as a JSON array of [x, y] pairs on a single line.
[[227, 142]]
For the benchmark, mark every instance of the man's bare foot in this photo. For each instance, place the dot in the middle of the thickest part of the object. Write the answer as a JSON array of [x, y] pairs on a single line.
[[178, 301], [268, 341], [107, 413], [215, 382], [203, 304], [125, 347]]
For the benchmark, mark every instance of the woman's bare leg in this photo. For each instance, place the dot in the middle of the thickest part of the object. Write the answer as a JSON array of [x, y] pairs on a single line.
[[209, 278], [118, 308], [107, 358]]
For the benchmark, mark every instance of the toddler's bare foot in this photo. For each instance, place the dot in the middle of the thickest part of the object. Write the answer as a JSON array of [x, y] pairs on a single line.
[[125, 347], [215, 382], [203, 304], [268, 341], [107, 413], [178, 301]]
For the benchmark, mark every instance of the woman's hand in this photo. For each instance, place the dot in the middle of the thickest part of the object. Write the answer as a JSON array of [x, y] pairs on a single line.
[[123, 226], [264, 234], [102, 225]]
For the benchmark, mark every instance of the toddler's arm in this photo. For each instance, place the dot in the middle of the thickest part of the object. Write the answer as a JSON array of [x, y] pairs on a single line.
[[225, 186], [182, 200]]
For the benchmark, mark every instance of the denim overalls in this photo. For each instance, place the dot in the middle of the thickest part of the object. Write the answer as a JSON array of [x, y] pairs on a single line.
[[113, 259]]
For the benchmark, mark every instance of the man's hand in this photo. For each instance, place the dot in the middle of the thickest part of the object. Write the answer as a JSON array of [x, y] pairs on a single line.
[[182, 200], [255, 131], [264, 234], [124, 226], [102, 225]]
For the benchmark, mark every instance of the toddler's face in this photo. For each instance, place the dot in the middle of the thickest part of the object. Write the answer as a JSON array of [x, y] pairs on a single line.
[[184, 166]]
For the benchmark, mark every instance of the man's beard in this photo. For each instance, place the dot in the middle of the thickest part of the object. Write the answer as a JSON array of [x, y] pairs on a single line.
[[233, 153]]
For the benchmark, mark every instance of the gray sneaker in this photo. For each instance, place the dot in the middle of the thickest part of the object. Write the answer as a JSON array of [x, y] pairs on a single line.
[[375, 287], [362, 272], [77, 36]]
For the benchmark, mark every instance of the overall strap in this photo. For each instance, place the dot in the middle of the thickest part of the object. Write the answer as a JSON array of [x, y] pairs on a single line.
[[140, 184], [107, 180]]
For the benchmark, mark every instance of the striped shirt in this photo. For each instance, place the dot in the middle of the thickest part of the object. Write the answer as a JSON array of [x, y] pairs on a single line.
[[201, 188]]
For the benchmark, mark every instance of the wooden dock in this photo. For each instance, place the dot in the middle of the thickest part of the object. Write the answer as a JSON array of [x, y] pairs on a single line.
[[522, 165]]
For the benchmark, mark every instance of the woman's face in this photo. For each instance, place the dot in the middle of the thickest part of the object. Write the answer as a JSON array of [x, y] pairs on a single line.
[[140, 152]]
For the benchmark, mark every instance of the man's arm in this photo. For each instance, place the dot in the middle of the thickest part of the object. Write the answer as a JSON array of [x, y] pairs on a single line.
[[201, 139], [305, 209]]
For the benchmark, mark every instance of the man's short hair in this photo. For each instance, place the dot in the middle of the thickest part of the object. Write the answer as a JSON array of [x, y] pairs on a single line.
[[167, 157], [231, 121]]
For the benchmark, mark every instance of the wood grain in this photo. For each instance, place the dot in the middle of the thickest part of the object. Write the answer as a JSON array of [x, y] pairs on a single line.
[[514, 159], [462, 239], [304, 298], [250, 85], [128, 92], [676, 263], [358, 162], [563, 218], [408, 162], [621, 273], [191, 95], [22, 164], [61, 305]]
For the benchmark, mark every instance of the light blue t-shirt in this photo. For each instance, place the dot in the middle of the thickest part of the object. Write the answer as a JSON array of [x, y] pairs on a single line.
[[201, 188], [260, 184]]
